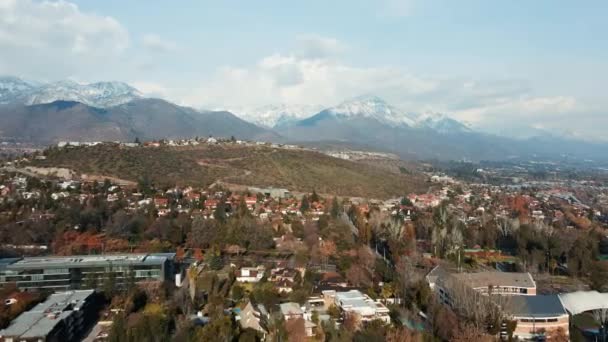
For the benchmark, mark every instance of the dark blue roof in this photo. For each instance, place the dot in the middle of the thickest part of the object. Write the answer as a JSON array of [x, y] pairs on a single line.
[[535, 306]]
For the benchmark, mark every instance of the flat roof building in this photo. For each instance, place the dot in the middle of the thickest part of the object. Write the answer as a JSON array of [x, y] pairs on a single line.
[[362, 305], [84, 271], [494, 282], [64, 316], [537, 316]]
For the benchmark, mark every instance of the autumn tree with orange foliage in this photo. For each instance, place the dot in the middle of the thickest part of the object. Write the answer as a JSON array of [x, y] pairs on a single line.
[[558, 335]]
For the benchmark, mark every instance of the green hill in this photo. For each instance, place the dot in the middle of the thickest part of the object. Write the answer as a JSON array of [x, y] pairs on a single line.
[[203, 165]]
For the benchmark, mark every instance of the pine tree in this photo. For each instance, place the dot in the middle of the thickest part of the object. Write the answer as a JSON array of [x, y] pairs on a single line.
[[314, 197], [220, 211], [335, 207], [304, 206]]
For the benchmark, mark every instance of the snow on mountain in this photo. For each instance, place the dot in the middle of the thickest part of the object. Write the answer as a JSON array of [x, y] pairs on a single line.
[[441, 123], [372, 107], [101, 94], [277, 115], [12, 88]]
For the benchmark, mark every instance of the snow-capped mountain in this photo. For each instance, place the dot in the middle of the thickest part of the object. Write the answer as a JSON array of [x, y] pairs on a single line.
[[100, 94], [441, 123], [12, 88], [372, 107], [277, 115]]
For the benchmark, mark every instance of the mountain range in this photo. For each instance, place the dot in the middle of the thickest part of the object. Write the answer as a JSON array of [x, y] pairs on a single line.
[[49, 112]]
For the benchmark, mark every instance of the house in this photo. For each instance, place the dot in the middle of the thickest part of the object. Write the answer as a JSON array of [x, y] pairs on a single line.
[[193, 196], [58, 195], [332, 280], [283, 279], [250, 202], [255, 318], [291, 311], [211, 203], [161, 202], [250, 274]]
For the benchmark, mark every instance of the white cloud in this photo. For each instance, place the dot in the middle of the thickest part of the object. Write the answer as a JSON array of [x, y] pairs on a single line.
[[151, 89], [294, 80], [307, 76], [51, 39], [314, 46], [155, 42]]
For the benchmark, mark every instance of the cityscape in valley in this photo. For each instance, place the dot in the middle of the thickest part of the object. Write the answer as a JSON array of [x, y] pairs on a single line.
[[399, 183]]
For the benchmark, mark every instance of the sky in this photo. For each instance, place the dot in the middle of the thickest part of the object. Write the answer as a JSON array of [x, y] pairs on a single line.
[[506, 66]]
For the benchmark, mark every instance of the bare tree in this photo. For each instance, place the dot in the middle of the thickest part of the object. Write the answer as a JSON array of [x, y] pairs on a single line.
[[296, 330]]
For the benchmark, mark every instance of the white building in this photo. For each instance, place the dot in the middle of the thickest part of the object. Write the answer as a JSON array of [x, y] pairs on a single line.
[[250, 274], [365, 308]]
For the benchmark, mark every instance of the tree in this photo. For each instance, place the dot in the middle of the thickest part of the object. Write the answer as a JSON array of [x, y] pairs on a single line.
[[213, 257], [357, 276], [471, 333], [335, 208], [598, 275], [304, 205], [220, 211], [327, 249], [242, 210], [238, 292], [314, 197], [296, 330], [137, 141], [402, 335], [118, 330], [219, 329], [204, 232], [406, 202], [558, 335], [445, 324]]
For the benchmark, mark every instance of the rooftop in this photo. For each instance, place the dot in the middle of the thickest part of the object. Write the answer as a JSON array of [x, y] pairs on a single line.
[[495, 278], [291, 309], [86, 260], [42, 319], [535, 306]]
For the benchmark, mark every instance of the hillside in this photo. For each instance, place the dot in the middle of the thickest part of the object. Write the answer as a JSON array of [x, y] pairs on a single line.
[[143, 118], [235, 164]]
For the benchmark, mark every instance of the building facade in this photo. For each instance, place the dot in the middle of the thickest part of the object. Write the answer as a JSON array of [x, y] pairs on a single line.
[[64, 316], [537, 316], [359, 304], [84, 271]]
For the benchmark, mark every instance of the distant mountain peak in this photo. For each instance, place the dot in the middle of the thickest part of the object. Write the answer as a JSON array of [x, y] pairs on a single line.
[[271, 116], [100, 94], [441, 123], [372, 107]]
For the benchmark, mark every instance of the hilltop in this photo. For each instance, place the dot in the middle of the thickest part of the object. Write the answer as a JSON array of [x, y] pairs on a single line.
[[203, 165]]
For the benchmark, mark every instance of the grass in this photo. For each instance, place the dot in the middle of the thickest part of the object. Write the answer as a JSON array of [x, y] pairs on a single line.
[[245, 165]]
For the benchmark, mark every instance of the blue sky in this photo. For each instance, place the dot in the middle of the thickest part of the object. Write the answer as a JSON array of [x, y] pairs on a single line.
[[501, 65]]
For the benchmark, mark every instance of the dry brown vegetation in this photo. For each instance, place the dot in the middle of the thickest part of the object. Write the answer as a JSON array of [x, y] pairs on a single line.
[[246, 165]]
